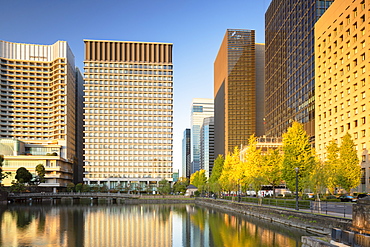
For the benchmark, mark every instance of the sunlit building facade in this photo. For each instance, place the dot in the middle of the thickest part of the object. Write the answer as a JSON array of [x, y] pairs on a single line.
[[290, 65], [236, 90], [38, 103], [128, 112], [200, 109], [342, 74]]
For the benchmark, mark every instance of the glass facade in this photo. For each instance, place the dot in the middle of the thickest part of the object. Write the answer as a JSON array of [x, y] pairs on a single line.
[[235, 90], [290, 63], [201, 109], [186, 153]]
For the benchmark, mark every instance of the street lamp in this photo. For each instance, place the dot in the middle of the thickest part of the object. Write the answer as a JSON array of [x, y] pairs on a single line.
[[296, 188]]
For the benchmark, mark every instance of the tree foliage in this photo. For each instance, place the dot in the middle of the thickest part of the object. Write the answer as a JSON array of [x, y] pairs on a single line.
[[231, 172], [297, 153], [199, 179], [23, 175], [250, 171], [40, 171], [272, 163], [3, 174], [331, 166], [181, 185], [349, 171], [164, 187]]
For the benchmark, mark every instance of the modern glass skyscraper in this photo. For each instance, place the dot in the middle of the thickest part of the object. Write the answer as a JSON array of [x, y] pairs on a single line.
[[290, 63], [236, 90], [200, 109], [39, 101], [128, 112], [207, 145], [186, 153]]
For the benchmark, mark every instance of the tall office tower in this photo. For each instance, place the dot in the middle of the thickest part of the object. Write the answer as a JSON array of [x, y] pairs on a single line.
[[238, 90], [38, 109], [342, 79], [186, 153], [207, 145], [128, 113], [290, 82], [200, 109]]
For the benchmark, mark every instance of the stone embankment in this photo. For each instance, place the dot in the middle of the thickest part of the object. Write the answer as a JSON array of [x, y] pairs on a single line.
[[318, 224], [159, 200]]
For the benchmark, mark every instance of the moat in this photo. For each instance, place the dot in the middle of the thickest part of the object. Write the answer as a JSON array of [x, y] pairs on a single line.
[[87, 224]]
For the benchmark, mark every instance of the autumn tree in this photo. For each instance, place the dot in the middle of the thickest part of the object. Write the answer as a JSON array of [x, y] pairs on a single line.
[[216, 174], [199, 179], [298, 153], [331, 166], [349, 170], [231, 172], [251, 169], [271, 167]]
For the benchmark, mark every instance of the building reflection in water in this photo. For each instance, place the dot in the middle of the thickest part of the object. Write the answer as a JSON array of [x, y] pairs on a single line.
[[136, 225]]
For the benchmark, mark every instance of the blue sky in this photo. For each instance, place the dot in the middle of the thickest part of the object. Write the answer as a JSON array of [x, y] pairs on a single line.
[[196, 28]]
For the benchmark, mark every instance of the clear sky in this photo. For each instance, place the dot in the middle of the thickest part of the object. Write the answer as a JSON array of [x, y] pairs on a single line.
[[195, 27]]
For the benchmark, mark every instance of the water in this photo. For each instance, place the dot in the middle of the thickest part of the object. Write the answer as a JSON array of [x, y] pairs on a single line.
[[136, 225]]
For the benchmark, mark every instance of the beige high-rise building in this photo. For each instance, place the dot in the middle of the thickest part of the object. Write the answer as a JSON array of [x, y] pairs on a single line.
[[342, 79], [38, 109], [128, 113]]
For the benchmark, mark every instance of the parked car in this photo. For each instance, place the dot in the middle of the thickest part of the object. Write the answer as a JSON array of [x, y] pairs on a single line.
[[359, 196], [346, 198]]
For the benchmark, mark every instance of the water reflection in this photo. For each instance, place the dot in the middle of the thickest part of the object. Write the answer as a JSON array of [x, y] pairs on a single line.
[[136, 225]]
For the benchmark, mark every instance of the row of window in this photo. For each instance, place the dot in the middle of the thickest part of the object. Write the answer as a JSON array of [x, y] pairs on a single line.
[[115, 106], [145, 152], [127, 135], [120, 117], [136, 72], [160, 141], [120, 123], [135, 66], [99, 99], [138, 158], [151, 170], [115, 146], [151, 78], [91, 176], [130, 83]]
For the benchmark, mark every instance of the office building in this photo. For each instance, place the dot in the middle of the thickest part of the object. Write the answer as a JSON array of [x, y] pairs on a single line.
[[237, 92], [342, 80], [128, 113], [207, 145], [186, 153], [200, 109], [38, 110], [290, 66]]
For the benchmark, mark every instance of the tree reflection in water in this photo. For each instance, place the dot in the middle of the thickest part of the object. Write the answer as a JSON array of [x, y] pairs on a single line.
[[137, 225]]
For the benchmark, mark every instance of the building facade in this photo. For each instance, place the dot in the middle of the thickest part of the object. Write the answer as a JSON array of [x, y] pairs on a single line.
[[207, 145], [186, 153], [200, 109], [235, 90], [38, 109], [128, 113], [290, 77], [342, 74]]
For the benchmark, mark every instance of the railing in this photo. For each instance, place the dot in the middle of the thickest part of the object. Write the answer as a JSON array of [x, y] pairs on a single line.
[[70, 194], [340, 209], [332, 208]]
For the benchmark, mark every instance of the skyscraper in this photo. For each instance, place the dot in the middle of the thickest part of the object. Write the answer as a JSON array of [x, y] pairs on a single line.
[[200, 109], [342, 80], [236, 90], [128, 113], [290, 65], [207, 145], [186, 153], [38, 109]]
